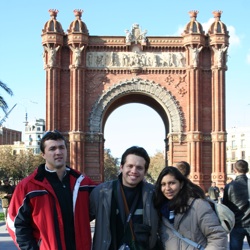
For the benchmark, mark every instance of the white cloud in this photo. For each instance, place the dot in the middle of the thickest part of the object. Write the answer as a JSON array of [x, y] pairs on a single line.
[[179, 31], [207, 24], [234, 40]]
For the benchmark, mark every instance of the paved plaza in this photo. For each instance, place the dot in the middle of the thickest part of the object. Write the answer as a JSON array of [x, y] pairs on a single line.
[[6, 242]]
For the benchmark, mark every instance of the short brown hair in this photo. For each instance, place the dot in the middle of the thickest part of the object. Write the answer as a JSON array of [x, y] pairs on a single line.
[[242, 166], [183, 167]]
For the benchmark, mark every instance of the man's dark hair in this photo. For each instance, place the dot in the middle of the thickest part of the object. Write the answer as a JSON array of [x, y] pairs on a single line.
[[242, 166], [51, 135], [183, 167], [139, 151]]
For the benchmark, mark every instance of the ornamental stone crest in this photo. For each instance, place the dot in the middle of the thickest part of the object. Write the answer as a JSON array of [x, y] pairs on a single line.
[[136, 35]]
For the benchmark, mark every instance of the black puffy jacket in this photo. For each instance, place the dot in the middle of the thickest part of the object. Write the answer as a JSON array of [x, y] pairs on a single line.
[[236, 198]]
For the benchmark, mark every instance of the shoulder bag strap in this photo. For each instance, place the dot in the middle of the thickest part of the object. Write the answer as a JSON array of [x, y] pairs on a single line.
[[113, 217], [188, 241], [248, 185], [130, 213]]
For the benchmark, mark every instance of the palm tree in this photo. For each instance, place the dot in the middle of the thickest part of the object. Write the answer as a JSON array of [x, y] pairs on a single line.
[[3, 104]]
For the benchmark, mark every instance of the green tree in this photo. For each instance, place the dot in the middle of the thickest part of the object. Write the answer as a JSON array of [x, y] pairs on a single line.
[[18, 166], [157, 163], [111, 166], [3, 104], [7, 161], [26, 162]]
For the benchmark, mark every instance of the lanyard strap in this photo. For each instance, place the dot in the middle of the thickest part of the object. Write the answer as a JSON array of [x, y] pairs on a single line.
[[248, 186], [130, 213]]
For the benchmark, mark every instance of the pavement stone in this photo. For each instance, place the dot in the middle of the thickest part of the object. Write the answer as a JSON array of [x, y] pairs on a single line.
[[6, 242]]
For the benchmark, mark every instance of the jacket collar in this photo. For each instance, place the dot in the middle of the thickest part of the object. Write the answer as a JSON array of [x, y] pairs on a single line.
[[40, 174]]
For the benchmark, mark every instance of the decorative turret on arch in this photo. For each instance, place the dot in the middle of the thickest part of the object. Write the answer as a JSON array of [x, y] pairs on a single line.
[[137, 85], [193, 27], [53, 25], [78, 25], [217, 27]]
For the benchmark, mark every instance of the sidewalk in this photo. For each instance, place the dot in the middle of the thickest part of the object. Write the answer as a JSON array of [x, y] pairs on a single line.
[[6, 242]]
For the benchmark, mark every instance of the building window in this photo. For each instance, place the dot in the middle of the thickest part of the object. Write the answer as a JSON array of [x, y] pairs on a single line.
[[233, 144], [30, 140], [243, 155], [242, 143], [233, 155], [232, 168]]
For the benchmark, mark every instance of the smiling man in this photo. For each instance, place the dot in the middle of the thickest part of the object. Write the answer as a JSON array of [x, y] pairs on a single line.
[[50, 208], [123, 208]]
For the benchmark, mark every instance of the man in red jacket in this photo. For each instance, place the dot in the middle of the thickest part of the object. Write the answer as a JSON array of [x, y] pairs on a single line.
[[50, 208]]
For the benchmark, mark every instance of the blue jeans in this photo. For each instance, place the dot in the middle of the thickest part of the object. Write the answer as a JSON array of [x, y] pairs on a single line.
[[237, 236]]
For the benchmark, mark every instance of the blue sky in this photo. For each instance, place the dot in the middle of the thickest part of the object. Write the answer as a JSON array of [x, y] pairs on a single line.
[[21, 64]]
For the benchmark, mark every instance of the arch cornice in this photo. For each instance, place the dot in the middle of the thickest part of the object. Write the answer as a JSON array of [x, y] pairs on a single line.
[[137, 86]]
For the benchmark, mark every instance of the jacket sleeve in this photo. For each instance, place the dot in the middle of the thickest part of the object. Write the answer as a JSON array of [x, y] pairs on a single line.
[[20, 220], [225, 200], [210, 226], [92, 204]]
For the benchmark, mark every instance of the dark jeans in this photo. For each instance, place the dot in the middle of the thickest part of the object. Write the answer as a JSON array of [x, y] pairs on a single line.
[[237, 236]]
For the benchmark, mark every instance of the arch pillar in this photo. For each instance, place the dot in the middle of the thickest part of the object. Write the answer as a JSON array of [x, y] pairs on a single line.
[[218, 174]]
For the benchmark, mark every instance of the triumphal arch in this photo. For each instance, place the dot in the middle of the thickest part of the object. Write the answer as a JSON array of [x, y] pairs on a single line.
[[181, 77]]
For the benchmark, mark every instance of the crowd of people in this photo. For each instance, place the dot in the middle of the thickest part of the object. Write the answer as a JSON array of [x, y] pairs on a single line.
[[52, 207]]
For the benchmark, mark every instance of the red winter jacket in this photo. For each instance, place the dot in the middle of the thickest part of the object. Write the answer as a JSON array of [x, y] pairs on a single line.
[[34, 216]]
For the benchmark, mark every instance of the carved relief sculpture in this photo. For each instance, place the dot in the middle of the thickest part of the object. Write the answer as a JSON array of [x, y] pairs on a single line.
[[195, 55], [76, 54], [51, 54], [135, 59], [136, 35], [219, 55]]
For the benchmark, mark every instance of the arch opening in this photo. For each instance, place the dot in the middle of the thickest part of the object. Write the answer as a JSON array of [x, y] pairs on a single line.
[[134, 124]]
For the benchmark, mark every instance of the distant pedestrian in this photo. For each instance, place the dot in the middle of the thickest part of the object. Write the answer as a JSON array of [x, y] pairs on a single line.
[[214, 192], [236, 197], [229, 179], [184, 168], [220, 199], [6, 191]]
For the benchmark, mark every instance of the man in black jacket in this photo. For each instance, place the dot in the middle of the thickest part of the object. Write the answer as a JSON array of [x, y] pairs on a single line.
[[236, 198]]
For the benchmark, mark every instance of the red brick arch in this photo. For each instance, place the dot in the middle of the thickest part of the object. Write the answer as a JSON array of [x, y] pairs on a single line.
[[152, 94], [182, 78]]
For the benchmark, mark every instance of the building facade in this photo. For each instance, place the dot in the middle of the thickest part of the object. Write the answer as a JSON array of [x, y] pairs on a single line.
[[34, 131], [238, 147], [182, 78], [9, 136]]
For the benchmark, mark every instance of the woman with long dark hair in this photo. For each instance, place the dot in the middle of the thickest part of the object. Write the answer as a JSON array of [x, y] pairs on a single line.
[[187, 219]]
